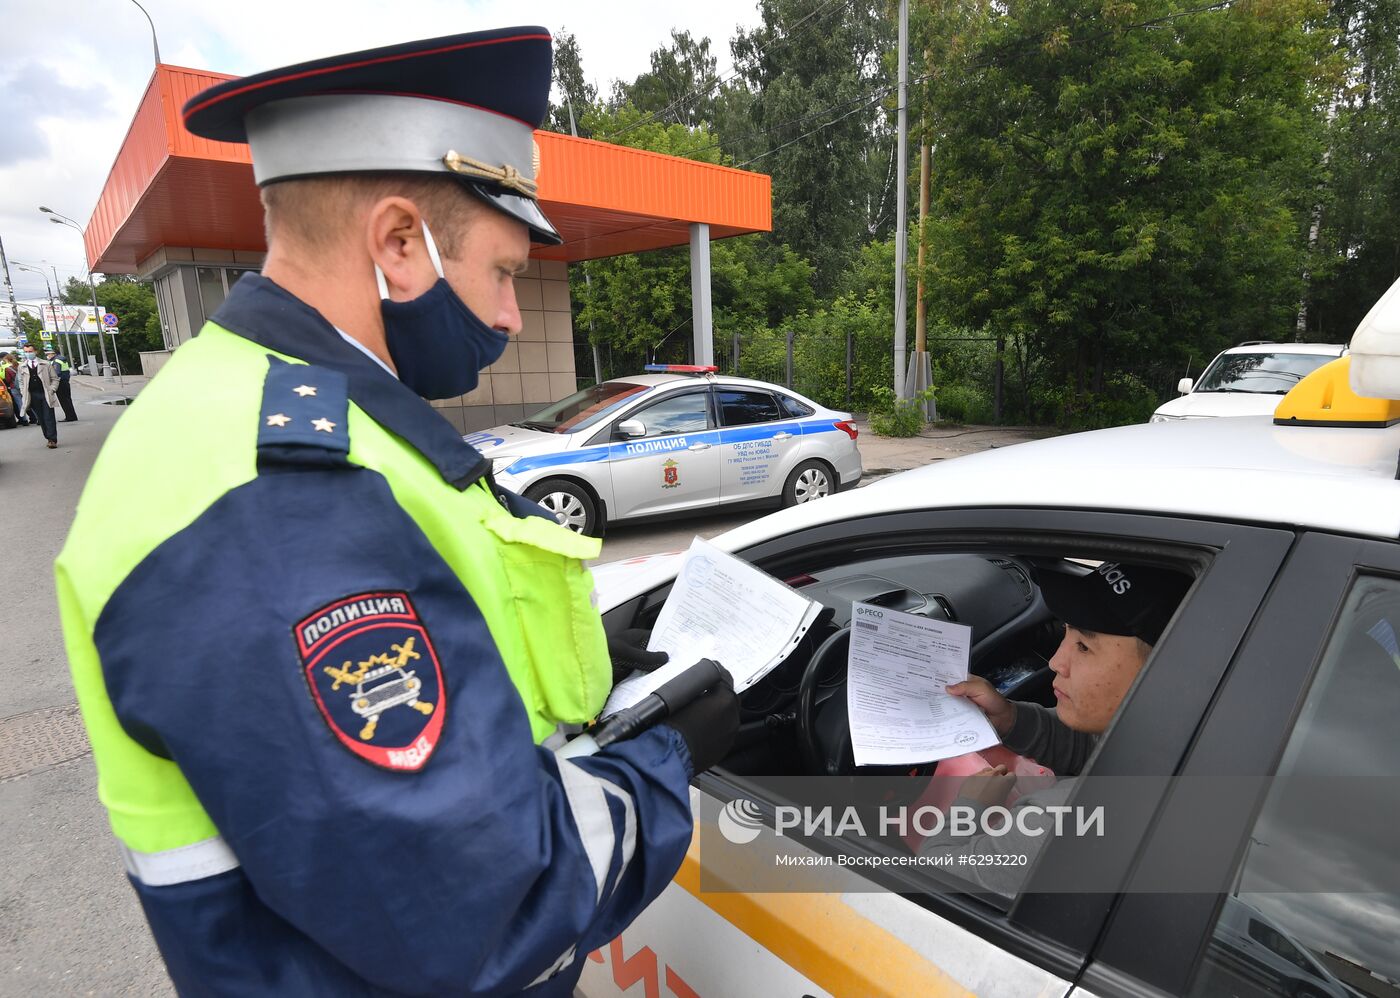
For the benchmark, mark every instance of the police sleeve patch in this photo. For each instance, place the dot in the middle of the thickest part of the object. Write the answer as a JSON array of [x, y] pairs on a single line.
[[375, 677]]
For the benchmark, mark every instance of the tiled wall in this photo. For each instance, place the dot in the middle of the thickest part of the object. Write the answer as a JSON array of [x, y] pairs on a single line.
[[538, 366]]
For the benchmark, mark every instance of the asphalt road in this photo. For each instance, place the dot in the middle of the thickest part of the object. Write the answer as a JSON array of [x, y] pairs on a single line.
[[69, 922]]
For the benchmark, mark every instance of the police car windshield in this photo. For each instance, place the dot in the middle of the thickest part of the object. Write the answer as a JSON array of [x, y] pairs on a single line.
[[583, 408], [1260, 373]]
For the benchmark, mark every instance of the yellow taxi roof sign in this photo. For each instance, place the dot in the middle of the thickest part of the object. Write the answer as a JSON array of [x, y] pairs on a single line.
[[1325, 398]]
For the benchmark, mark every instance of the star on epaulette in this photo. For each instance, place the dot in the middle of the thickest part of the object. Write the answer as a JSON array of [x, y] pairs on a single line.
[[304, 417]]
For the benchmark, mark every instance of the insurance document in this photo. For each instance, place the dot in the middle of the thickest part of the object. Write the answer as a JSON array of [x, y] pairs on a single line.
[[899, 666], [723, 608]]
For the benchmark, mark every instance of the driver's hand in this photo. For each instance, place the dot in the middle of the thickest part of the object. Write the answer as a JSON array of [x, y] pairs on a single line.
[[999, 710], [989, 787]]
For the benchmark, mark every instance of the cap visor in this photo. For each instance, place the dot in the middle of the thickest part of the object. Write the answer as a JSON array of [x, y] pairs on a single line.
[[1070, 598], [520, 208]]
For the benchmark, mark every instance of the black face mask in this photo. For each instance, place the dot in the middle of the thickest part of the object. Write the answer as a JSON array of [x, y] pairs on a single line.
[[437, 343]]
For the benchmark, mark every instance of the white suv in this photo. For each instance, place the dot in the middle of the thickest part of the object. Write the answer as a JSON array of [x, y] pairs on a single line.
[[1247, 380]]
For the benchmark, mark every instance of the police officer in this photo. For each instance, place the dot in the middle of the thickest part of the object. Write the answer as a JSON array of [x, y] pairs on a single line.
[[65, 390], [317, 655]]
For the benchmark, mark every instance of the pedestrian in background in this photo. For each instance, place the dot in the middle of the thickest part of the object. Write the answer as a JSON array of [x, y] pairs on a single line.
[[41, 392], [64, 370], [9, 366]]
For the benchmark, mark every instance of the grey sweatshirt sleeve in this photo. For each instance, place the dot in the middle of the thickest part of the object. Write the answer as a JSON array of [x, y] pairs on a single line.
[[1040, 735]]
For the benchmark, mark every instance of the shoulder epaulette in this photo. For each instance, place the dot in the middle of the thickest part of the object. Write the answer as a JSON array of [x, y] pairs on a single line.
[[305, 415]]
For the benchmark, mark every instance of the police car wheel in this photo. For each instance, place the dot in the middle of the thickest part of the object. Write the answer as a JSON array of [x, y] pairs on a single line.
[[570, 504], [809, 480]]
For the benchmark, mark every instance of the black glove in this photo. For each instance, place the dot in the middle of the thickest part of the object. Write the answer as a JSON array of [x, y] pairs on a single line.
[[628, 651], [708, 725]]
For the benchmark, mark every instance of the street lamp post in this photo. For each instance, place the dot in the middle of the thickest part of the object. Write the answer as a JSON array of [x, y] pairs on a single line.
[[154, 44], [58, 219], [57, 332], [83, 352]]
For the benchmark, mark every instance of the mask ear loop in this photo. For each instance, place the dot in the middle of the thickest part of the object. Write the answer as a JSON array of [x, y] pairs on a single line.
[[432, 249], [431, 243]]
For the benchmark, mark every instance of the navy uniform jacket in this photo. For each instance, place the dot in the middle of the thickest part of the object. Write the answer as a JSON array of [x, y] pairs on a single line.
[[494, 869]]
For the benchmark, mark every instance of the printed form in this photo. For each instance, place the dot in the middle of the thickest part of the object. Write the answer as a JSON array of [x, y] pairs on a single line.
[[723, 608], [898, 667]]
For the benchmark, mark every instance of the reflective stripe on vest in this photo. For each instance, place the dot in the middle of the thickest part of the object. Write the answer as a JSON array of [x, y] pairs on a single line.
[[534, 593], [182, 864]]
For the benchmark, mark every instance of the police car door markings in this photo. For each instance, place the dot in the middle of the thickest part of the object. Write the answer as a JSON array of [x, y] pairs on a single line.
[[395, 680]]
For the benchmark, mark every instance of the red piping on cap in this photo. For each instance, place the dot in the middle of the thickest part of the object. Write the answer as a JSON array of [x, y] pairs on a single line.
[[355, 65]]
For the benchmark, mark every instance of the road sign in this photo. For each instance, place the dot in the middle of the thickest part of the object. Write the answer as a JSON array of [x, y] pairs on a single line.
[[109, 321]]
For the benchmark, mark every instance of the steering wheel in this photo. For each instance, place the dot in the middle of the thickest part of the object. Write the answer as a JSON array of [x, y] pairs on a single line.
[[826, 663]]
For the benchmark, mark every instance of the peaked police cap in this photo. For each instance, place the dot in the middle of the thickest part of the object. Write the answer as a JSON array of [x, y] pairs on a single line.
[[465, 106]]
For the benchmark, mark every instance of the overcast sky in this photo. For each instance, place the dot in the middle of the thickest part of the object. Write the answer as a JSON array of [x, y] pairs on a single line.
[[73, 71]]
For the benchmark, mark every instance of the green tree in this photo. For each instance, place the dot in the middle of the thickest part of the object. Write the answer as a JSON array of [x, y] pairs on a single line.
[[1358, 244], [680, 89], [1118, 185], [134, 304], [812, 118], [32, 327], [570, 86]]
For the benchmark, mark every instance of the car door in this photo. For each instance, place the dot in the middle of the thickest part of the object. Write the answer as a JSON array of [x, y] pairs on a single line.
[[903, 930], [674, 464], [759, 445], [1274, 866]]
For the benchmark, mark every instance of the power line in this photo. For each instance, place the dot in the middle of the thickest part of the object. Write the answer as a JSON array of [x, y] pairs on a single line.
[[695, 94], [854, 110]]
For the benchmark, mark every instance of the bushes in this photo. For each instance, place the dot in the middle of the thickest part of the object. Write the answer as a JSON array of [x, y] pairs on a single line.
[[891, 417], [964, 404], [1125, 399]]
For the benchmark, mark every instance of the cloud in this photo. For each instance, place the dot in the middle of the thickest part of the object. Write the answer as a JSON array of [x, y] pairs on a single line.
[[33, 95], [92, 62]]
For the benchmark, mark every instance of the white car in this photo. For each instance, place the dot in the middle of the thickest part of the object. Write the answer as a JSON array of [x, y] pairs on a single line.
[[680, 439], [1247, 380], [1251, 767]]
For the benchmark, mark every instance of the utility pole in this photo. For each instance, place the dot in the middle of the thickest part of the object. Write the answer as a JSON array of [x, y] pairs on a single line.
[[920, 370], [82, 348], [56, 330], [58, 219], [901, 236], [587, 281], [10, 290]]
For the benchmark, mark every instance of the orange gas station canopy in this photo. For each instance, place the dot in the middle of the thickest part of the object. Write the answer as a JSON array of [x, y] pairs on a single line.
[[170, 188]]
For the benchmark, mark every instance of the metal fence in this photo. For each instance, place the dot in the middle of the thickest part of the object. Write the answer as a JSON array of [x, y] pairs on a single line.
[[977, 377]]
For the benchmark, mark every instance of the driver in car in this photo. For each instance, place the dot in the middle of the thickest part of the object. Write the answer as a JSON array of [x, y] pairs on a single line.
[[1113, 616]]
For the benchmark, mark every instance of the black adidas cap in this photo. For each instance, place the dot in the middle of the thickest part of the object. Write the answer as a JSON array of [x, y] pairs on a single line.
[[1132, 600]]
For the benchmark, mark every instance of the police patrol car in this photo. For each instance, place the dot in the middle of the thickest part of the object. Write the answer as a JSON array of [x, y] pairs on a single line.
[[1248, 777], [679, 438]]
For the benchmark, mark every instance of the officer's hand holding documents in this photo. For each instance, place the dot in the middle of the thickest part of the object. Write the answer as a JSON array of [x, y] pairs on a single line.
[[722, 608], [899, 666]]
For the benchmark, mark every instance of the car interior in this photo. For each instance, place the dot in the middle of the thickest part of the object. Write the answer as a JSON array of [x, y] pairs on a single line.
[[794, 721]]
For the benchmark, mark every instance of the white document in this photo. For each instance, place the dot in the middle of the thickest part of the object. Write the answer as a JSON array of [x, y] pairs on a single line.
[[723, 608], [898, 668]]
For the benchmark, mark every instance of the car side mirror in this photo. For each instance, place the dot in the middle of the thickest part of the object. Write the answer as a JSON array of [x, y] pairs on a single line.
[[1185, 385], [631, 428]]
